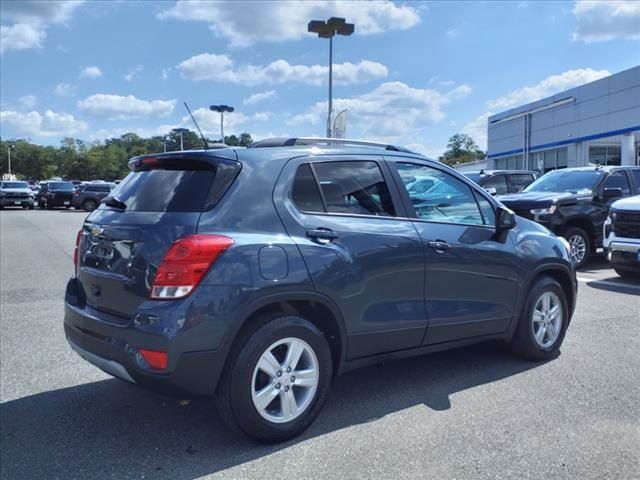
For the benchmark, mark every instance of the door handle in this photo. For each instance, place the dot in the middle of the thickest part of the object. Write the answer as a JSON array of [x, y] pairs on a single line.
[[440, 246], [322, 235]]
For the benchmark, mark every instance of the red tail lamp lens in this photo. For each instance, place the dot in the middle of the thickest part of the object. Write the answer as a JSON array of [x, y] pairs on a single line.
[[155, 359], [186, 263], [75, 252]]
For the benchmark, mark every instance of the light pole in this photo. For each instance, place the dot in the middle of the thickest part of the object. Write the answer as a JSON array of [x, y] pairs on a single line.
[[9, 148], [221, 109], [180, 131], [164, 143], [330, 28]]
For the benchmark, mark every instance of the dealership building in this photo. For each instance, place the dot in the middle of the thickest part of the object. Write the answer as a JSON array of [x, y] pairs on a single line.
[[596, 123]]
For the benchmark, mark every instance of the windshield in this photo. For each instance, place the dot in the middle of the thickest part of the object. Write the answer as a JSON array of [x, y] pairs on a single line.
[[581, 181], [62, 186], [15, 185]]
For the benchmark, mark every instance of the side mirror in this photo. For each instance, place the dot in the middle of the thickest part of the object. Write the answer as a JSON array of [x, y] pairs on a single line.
[[609, 193], [491, 191], [505, 219]]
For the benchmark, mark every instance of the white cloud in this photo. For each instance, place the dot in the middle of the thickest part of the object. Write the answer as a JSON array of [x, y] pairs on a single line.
[[135, 73], [547, 87], [453, 33], [210, 122], [220, 68], [391, 111], [600, 21], [166, 72], [284, 21], [460, 92], [91, 72], [477, 129], [119, 107], [64, 89], [259, 97], [31, 19], [28, 101], [49, 124]]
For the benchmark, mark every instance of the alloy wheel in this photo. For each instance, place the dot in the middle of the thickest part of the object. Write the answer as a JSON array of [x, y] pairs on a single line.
[[547, 319], [578, 248]]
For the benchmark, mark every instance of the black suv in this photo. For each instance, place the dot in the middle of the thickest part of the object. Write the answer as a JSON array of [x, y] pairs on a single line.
[[55, 194], [89, 196], [574, 203], [255, 275], [502, 182]]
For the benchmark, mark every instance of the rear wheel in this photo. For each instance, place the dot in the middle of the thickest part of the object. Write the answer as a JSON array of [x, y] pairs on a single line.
[[580, 245], [543, 324], [274, 385], [89, 205]]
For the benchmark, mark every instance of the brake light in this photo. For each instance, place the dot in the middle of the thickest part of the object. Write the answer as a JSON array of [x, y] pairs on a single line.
[[155, 359], [75, 252], [186, 263]]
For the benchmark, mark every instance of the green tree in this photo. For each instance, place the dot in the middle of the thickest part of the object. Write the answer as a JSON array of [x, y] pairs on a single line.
[[461, 148]]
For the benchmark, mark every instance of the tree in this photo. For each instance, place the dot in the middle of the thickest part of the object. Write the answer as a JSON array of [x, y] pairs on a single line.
[[461, 149]]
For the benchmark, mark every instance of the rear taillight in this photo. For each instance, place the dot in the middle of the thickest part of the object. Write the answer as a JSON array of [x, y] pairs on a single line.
[[185, 264], [75, 252], [154, 358]]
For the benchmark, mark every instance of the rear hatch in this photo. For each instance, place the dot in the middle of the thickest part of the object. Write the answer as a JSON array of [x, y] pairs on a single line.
[[124, 241]]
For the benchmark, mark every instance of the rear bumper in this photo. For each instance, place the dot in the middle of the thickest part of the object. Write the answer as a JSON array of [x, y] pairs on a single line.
[[114, 349]]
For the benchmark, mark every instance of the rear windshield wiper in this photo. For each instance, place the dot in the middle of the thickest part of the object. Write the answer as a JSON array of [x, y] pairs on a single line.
[[114, 202]]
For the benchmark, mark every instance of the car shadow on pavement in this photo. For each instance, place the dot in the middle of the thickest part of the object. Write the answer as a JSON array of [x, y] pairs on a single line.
[[110, 429]]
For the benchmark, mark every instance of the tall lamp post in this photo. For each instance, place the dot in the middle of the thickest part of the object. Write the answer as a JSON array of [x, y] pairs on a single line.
[[330, 28], [180, 131], [221, 109], [9, 148]]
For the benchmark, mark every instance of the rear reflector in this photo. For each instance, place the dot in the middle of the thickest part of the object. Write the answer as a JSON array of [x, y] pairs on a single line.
[[75, 252], [155, 359], [186, 263]]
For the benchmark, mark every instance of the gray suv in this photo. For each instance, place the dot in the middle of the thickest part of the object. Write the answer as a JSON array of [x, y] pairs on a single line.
[[89, 196], [255, 275]]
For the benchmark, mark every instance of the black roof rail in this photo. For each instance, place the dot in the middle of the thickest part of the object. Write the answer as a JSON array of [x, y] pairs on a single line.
[[293, 141]]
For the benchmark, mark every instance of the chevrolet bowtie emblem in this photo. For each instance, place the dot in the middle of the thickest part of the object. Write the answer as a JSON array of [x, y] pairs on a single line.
[[97, 231]]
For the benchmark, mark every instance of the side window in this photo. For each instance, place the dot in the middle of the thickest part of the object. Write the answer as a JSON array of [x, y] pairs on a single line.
[[449, 200], [488, 213], [636, 175], [499, 182], [305, 193], [618, 179], [520, 181], [91, 189], [104, 189], [354, 187]]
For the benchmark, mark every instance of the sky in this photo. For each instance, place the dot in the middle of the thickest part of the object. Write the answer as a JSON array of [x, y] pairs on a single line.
[[412, 74]]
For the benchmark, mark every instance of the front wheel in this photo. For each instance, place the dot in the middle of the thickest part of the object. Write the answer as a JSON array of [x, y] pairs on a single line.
[[543, 323], [275, 384], [580, 245]]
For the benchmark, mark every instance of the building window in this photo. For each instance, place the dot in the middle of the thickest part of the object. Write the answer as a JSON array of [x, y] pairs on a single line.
[[604, 155], [508, 163], [549, 160]]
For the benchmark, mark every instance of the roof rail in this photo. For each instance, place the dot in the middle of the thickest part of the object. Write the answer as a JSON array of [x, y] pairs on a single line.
[[293, 141]]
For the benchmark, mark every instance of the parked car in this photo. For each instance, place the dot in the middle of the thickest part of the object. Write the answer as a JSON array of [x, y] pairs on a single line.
[[622, 237], [89, 196], [502, 182], [574, 203], [255, 275], [55, 194], [15, 194]]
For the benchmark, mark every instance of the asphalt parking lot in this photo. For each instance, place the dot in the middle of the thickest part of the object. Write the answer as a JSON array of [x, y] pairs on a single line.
[[465, 414]]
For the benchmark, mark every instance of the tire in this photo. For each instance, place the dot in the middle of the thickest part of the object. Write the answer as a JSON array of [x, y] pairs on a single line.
[[524, 342], [578, 239], [49, 206], [627, 274], [89, 205], [242, 378], [31, 207]]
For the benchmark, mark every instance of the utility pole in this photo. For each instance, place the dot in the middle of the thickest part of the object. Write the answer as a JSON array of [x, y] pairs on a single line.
[[9, 157]]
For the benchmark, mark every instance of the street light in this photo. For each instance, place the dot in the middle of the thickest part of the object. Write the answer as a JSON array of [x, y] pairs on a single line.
[[330, 28], [221, 109], [180, 131], [9, 148]]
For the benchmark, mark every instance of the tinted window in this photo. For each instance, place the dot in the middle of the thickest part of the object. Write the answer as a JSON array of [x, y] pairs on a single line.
[[354, 187], [520, 181], [488, 214], [65, 186], [449, 200], [305, 193], [573, 181], [165, 190], [499, 182], [618, 180], [636, 175], [15, 185]]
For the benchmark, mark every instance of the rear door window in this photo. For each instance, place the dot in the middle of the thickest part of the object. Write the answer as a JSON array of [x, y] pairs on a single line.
[[499, 182], [519, 181], [618, 179]]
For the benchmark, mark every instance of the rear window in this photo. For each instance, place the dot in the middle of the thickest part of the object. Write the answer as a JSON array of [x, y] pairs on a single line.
[[174, 190], [62, 186]]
